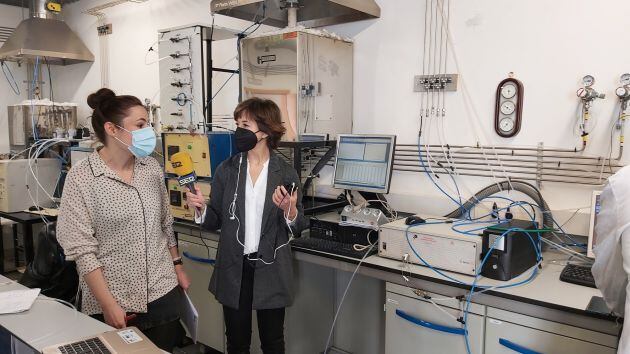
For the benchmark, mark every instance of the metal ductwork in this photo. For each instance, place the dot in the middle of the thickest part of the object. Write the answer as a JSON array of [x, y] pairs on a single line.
[[310, 13], [43, 35]]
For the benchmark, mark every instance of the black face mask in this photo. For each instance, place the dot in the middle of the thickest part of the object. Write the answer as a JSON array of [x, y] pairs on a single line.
[[245, 139]]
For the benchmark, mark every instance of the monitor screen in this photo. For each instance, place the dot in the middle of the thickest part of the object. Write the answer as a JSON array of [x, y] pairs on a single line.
[[592, 235], [364, 162]]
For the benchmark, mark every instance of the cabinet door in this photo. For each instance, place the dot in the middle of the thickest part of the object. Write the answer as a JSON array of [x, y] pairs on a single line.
[[308, 320], [199, 268], [419, 327], [508, 338]]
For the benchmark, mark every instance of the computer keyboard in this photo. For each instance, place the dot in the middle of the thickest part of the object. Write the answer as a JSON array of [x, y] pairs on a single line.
[[577, 274], [340, 248], [88, 346]]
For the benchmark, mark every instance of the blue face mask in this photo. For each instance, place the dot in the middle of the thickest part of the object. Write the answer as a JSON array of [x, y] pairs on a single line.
[[142, 141]]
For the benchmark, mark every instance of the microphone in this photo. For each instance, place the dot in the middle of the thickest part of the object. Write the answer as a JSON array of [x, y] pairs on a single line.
[[183, 165]]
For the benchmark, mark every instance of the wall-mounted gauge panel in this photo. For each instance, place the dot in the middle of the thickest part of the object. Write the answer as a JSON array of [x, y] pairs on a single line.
[[509, 108]]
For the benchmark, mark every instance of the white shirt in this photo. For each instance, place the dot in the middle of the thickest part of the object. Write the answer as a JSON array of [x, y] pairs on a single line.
[[255, 194], [612, 252]]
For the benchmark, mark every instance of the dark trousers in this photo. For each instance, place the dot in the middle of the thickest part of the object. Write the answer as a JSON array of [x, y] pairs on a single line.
[[161, 321], [238, 322]]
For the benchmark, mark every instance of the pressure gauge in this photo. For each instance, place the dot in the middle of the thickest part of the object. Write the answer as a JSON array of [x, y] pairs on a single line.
[[581, 92], [506, 125], [508, 90], [507, 108], [621, 92], [588, 80], [625, 79]]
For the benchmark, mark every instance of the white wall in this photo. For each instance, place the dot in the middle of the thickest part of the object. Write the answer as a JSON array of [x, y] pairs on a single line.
[[135, 29], [550, 45], [10, 16]]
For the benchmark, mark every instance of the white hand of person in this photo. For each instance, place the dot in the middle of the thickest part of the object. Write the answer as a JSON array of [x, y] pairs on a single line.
[[182, 277], [195, 201], [115, 316], [283, 201]]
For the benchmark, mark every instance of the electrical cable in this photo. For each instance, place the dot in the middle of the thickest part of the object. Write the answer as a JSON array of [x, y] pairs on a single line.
[[33, 90], [343, 297], [478, 272], [469, 105], [448, 20], [7, 72], [146, 55], [209, 102], [444, 275], [431, 51], [440, 91], [370, 245], [52, 95], [431, 178], [63, 302], [33, 154], [518, 185], [479, 269], [424, 57], [474, 284], [233, 216], [430, 158]]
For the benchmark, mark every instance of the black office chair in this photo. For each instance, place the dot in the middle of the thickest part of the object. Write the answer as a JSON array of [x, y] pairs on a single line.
[[49, 270]]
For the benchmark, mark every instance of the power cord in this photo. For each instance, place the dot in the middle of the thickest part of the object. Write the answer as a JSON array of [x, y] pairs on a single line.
[[7, 72], [332, 327], [360, 248], [233, 216]]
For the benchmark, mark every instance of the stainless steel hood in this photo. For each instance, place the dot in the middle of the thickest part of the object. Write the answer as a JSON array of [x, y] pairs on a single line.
[[42, 35], [311, 13]]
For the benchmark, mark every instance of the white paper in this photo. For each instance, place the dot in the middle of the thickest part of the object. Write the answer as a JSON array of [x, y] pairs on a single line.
[[15, 301], [190, 317]]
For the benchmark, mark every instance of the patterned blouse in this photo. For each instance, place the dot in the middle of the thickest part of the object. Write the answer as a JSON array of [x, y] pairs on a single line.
[[124, 229]]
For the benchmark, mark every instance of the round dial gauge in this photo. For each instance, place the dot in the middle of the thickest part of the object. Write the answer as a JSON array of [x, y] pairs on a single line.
[[621, 91], [588, 80], [507, 108], [625, 79], [508, 90], [506, 124]]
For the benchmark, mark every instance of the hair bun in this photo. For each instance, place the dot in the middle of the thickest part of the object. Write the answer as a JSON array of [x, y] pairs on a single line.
[[97, 98]]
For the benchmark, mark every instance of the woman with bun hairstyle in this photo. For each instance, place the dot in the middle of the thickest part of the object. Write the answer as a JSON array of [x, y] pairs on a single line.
[[115, 223]]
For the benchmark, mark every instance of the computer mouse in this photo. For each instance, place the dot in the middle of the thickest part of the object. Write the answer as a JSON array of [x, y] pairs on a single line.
[[34, 208], [414, 219]]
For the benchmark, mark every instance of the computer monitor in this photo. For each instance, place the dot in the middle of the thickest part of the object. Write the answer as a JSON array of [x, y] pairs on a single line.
[[364, 162], [592, 235]]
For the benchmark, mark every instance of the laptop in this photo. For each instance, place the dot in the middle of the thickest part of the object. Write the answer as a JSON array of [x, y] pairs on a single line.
[[123, 341]]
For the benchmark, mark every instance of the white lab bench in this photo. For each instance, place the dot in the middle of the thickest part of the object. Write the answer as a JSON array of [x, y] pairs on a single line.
[[46, 323], [382, 310]]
